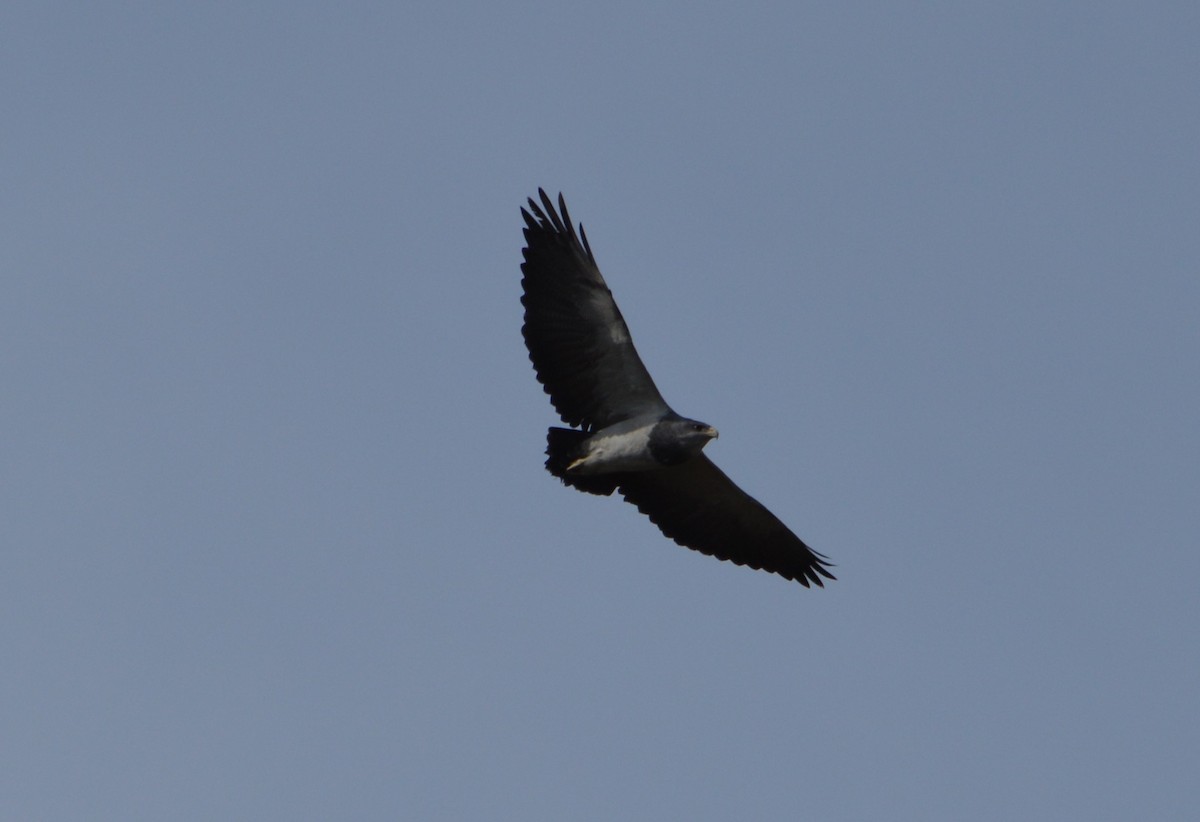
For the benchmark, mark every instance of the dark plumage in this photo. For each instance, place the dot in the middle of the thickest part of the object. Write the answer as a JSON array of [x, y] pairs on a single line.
[[625, 436]]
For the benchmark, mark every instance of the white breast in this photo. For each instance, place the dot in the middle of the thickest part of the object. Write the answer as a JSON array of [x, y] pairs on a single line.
[[626, 451]]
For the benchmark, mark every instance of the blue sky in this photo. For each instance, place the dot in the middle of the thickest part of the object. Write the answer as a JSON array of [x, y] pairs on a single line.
[[277, 539]]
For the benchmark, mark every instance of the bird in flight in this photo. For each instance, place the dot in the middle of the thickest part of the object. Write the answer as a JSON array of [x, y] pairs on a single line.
[[624, 437]]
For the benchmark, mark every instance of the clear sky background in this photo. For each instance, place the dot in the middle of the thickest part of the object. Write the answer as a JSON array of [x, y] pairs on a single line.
[[276, 538]]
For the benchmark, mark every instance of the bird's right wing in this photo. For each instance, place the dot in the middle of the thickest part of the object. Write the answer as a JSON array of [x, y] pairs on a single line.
[[577, 338], [696, 505]]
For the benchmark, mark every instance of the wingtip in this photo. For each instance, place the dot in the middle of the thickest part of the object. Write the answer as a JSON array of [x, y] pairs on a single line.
[[545, 217], [562, 208]]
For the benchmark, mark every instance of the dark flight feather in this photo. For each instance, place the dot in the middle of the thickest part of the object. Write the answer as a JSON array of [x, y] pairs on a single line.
[[699, 507], [577, 339]]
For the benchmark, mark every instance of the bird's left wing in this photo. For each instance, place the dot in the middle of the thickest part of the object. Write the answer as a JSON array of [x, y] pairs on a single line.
[[696, 505], [577, 338]]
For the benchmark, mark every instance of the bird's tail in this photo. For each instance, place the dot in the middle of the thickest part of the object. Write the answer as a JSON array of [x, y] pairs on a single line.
[[564, 446]]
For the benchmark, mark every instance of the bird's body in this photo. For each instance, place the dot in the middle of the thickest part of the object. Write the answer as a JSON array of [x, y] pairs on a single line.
[[628, 439], [640, 444], [624, 446]]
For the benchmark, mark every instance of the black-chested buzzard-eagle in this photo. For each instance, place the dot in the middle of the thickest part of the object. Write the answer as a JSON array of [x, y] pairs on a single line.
[[626, 438]]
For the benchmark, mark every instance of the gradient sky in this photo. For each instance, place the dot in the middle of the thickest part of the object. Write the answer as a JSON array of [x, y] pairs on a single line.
[[277, 542]]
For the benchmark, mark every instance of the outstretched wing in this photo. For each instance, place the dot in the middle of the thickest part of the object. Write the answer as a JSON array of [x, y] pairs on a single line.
[[577, 339], [696, 505]]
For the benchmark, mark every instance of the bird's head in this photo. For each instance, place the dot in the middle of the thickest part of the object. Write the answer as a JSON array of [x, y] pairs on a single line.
[[677, 439], [698, 432]]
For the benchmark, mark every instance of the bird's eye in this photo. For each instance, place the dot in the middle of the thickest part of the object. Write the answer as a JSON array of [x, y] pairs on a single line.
[[697, 427]]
